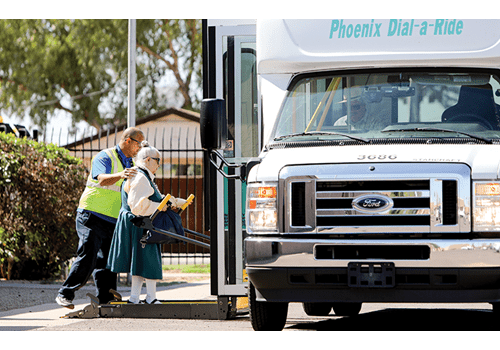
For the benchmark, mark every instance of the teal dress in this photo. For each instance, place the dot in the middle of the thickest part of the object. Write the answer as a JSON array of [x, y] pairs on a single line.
[[126, 254]]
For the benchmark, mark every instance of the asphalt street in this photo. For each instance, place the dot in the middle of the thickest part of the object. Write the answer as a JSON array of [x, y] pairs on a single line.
[[373, 317]]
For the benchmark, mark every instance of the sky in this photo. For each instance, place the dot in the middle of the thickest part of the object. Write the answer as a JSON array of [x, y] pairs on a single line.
[[59, 125]]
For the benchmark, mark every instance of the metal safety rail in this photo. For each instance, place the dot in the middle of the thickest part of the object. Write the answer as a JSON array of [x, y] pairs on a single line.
[[147, 223], [220, 309]]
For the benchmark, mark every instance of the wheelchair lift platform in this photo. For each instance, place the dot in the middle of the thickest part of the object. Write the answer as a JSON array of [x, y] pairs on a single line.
[[222, 308]]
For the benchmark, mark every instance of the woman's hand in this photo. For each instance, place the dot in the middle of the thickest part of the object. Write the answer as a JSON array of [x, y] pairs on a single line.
[[179, 202], [176, 203]]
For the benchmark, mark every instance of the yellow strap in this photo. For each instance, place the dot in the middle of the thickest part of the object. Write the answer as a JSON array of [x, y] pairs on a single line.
[[188, 201], [331, 88], [114, 160], [328, 104], [163, 202]]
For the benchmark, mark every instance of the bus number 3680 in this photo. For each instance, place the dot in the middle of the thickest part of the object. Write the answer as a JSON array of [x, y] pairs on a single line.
[[379, 157]]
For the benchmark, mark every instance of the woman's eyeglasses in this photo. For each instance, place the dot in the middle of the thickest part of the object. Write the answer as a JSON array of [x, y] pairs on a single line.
[[157, 159]]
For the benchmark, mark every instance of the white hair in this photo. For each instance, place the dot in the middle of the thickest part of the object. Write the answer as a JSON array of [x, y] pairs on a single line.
[[145, 152]]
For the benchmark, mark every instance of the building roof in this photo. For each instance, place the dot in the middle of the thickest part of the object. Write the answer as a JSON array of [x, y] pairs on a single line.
[[172, 128]]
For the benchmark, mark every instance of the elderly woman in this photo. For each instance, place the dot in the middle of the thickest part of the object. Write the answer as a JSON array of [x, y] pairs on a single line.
[[140, 197]]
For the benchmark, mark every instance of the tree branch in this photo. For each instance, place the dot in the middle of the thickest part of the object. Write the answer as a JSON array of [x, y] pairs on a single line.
[[60, 106], [152, 53], [174, 68]]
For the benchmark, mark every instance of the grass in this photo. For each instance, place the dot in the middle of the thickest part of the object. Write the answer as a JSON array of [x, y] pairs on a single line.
[[203, 268]]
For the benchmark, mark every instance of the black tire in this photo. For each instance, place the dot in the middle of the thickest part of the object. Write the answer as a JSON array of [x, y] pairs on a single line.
[[266, 316], [317, 309], [346, 309]]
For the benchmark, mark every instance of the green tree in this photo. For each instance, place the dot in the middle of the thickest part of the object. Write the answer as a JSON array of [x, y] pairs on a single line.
[[81, 66]]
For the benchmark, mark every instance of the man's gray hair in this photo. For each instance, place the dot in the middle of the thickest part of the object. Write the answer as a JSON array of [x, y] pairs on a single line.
[[131, 132], [145, 152]]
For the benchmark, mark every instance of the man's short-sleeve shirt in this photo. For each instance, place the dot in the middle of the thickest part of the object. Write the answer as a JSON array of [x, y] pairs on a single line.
[[102, 164]]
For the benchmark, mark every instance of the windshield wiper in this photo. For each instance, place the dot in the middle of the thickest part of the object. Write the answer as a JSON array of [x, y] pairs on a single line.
[[443, 130], [279, 138]]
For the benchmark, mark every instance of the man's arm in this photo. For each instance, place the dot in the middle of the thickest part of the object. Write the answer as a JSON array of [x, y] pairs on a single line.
[[101, 171], [111, 179]]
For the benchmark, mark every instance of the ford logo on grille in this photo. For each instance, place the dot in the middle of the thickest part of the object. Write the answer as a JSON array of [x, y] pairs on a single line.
[[373, 203]]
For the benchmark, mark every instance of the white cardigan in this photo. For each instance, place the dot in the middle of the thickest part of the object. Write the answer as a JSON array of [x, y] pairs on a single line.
[[139, 189]]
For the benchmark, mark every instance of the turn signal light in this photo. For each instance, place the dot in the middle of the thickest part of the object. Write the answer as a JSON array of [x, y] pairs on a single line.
[[488, 189], [267, 192], [261, 213]]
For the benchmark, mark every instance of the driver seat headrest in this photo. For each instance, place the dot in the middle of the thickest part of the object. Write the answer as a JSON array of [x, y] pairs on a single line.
[[474, 99]]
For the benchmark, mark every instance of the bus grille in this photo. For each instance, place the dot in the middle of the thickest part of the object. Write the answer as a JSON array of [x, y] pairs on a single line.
[[429, 202]]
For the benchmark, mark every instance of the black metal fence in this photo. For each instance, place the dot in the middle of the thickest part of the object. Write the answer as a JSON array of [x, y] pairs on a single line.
[[180, 174]]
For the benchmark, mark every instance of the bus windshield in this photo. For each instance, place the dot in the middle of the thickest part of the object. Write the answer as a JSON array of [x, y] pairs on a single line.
[[391, 105]]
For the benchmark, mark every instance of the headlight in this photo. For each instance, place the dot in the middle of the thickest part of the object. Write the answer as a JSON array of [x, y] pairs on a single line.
[[486, 206], [261, 213]]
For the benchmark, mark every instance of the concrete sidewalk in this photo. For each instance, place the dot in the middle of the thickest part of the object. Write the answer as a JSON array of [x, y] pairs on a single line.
[[49, 315]]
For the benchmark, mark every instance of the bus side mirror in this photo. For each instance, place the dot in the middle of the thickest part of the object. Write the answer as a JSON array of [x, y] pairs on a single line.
[[213, 124]]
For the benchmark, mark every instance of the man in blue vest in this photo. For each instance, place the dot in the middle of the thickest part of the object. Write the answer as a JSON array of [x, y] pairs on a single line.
[[96, 218]]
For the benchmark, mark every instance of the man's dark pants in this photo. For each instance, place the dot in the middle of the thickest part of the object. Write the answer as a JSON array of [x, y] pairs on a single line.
[[95, 236]]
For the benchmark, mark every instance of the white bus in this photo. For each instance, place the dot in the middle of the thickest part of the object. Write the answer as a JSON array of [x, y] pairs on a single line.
[[372, 161]]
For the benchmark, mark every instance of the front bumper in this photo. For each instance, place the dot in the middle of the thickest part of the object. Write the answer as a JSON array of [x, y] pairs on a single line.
[[299, 270], [443, 253]]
